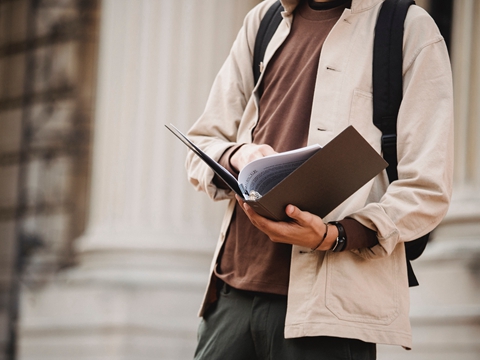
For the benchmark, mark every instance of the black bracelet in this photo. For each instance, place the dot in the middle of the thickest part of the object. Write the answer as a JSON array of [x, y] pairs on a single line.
[[341, 241], [323, 239]]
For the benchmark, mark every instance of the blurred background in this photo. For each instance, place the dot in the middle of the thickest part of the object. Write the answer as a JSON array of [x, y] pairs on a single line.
[[104, 246]]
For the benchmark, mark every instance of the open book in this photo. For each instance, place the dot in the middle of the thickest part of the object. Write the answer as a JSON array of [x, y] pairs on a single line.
[[262, 175], [313, 178]]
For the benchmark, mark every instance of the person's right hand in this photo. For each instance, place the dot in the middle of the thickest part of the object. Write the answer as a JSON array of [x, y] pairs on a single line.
[[249, 152]]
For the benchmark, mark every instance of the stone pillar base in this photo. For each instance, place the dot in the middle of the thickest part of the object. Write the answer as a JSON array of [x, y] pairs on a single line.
[[90, 313]]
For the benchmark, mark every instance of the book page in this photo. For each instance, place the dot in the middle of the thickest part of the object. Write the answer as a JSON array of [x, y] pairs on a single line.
[[263, 174]]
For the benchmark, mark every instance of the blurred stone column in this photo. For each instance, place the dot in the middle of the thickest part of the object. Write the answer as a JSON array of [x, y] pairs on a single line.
[[143, 261], [445, 308]]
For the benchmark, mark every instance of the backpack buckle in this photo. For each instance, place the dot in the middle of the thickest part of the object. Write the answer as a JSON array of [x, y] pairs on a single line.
[[389, 140]]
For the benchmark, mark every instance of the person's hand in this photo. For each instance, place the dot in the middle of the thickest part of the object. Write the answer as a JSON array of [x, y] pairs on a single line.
[[249, 152], [305, 229]]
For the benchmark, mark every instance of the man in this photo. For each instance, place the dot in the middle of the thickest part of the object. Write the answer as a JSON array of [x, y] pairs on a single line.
[[283, 290]]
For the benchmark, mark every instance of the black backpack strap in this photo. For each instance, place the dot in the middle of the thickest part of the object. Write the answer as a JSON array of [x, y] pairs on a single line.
[[387, 96], [387, 76], [268, 26]]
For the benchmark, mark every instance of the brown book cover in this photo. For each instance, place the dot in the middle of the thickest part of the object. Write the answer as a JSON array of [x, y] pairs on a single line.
[[319, 184], [326, 179]]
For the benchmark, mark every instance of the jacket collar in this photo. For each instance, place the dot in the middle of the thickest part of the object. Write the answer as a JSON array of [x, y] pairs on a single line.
[[357, 5]]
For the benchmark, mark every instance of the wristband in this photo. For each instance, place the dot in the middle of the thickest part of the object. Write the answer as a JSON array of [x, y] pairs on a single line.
[[341, 241]]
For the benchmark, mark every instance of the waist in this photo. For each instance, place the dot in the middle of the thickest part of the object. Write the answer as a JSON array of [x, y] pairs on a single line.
[[224, 288]]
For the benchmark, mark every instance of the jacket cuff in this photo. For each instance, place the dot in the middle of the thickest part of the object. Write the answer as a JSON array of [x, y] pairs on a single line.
[[358, 236]]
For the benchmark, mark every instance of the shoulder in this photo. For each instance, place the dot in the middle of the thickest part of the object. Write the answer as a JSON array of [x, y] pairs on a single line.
[[420, 32], [420, 28], [255, 15], [252, 21]]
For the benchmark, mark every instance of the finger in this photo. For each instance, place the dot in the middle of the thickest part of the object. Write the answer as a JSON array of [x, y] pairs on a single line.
[[262, 151], [252, 215], [266, 150], [245, 207], [257, 220]]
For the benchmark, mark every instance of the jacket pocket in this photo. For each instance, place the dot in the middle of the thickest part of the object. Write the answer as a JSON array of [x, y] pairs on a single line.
[[364, 291], [361, 117]]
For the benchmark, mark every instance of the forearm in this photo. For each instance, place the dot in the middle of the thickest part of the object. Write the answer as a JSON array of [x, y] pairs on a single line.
[[225, 162]]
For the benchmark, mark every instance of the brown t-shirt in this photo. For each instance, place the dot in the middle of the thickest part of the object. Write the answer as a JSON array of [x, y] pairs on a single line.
[[249, 260]]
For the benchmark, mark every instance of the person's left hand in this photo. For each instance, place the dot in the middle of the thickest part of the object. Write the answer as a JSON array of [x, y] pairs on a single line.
[[305, 229]]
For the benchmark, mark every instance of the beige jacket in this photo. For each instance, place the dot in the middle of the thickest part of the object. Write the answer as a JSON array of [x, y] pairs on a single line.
[[359, 294]]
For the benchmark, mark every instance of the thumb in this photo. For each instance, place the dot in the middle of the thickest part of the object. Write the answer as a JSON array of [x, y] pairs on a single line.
[[296, 214]]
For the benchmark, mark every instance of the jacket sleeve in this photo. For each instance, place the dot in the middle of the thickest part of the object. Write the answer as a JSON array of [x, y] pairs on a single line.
[[416, 203], [217, 128]]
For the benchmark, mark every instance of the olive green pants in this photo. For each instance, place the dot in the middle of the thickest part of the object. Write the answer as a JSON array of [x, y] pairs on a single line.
[[244, 325]]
